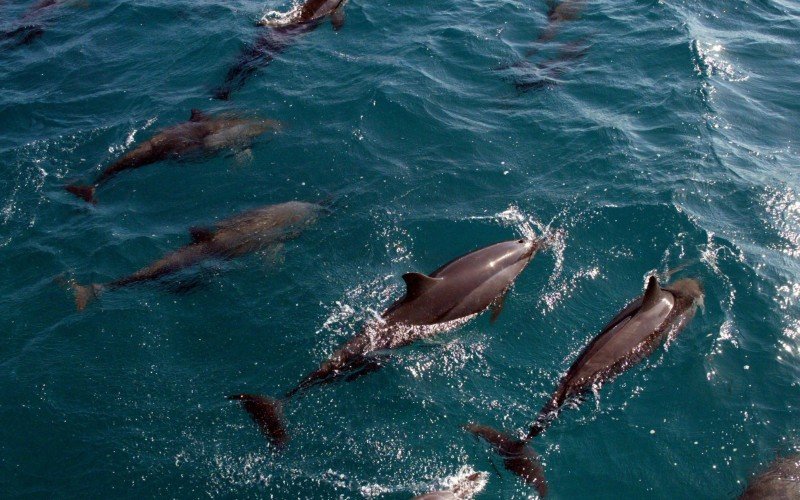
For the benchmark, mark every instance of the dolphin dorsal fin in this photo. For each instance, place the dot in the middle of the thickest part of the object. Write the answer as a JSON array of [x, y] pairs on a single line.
[[201, 234], [653, 293], [197, 116], [418, 283]]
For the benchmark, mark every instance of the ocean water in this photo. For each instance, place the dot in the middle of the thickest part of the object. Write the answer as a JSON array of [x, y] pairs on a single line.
[[665, 137]]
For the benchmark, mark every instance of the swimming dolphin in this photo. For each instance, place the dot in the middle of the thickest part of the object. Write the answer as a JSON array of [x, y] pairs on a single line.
[[230, 238], [780, 481], [632, 335], [459, 289], [567, 10], [464, 488], [29, 28], [303, 19], [201, 134], [527, 76]]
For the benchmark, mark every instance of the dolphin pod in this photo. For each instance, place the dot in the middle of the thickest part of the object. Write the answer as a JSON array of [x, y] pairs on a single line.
[[239, 235], [459, 289], [307, 17], [201, 134], [780, 481], [631, 336]]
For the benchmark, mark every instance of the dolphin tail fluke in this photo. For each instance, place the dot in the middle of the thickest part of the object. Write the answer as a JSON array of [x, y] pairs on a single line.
[[267, 413], [84, 294], [518, 457], [84, 192]]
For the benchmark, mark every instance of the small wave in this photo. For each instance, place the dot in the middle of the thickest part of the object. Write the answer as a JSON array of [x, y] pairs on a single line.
[[277, 19], [709, 61]]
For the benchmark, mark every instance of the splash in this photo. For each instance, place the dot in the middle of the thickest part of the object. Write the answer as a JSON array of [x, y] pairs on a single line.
[[709, 61], [277, 19], [783, 207]]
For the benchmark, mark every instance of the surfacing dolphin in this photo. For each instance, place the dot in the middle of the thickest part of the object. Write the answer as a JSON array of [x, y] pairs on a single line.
[[458, 290], [781, 481], [203, 134], [632, 335], [303, 19], [245, 233]]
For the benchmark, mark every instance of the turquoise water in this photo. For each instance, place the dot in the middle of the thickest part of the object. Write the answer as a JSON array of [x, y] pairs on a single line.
[[672, 141]]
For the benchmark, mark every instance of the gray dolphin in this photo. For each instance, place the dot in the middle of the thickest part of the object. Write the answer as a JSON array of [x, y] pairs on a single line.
[[230, 238], [29, 28], [632, 335], [201, 134], [303, 19], [781, 481], [459, 289]]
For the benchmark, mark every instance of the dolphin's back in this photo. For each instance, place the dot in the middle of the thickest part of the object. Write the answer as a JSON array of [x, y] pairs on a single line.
[[616, 345], [464, 286]]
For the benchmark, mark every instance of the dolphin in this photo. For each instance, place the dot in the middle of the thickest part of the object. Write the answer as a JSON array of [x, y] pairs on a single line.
[[632, 335], [303, 19], [567, 10], [528, 76], [230, 238], [201, 134], [29, 29], [780, 481], [459, 289], [464, 488]]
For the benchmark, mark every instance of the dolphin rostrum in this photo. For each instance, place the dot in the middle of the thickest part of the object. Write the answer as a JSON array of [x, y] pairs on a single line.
[[632, 335], [459, 289], [201, 134], [302, 19], [781, 481], [248, 232]]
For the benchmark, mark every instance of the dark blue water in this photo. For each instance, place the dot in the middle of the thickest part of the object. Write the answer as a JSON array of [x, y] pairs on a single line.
[[671, 140]]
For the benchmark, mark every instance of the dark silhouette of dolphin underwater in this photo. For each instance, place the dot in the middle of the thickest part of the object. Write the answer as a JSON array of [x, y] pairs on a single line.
[[632, 335], [29, 28], [780, 481], [245, 233], [459, 289], [303, 19], [557, 13], [201, 134]]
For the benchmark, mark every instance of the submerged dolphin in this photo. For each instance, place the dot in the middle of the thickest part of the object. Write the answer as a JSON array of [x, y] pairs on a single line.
[[245, 233], [201, 134], [527, 76], [29, 29], [461, 288], [567, 10], [631, 336], [781, 481], [303, 19]]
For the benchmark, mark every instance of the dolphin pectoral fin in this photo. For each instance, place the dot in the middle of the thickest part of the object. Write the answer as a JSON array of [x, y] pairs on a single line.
[[418, 283], [244, 157], [197, 116], [201, 234], [337, 18], [267, 413], [497, 307]]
